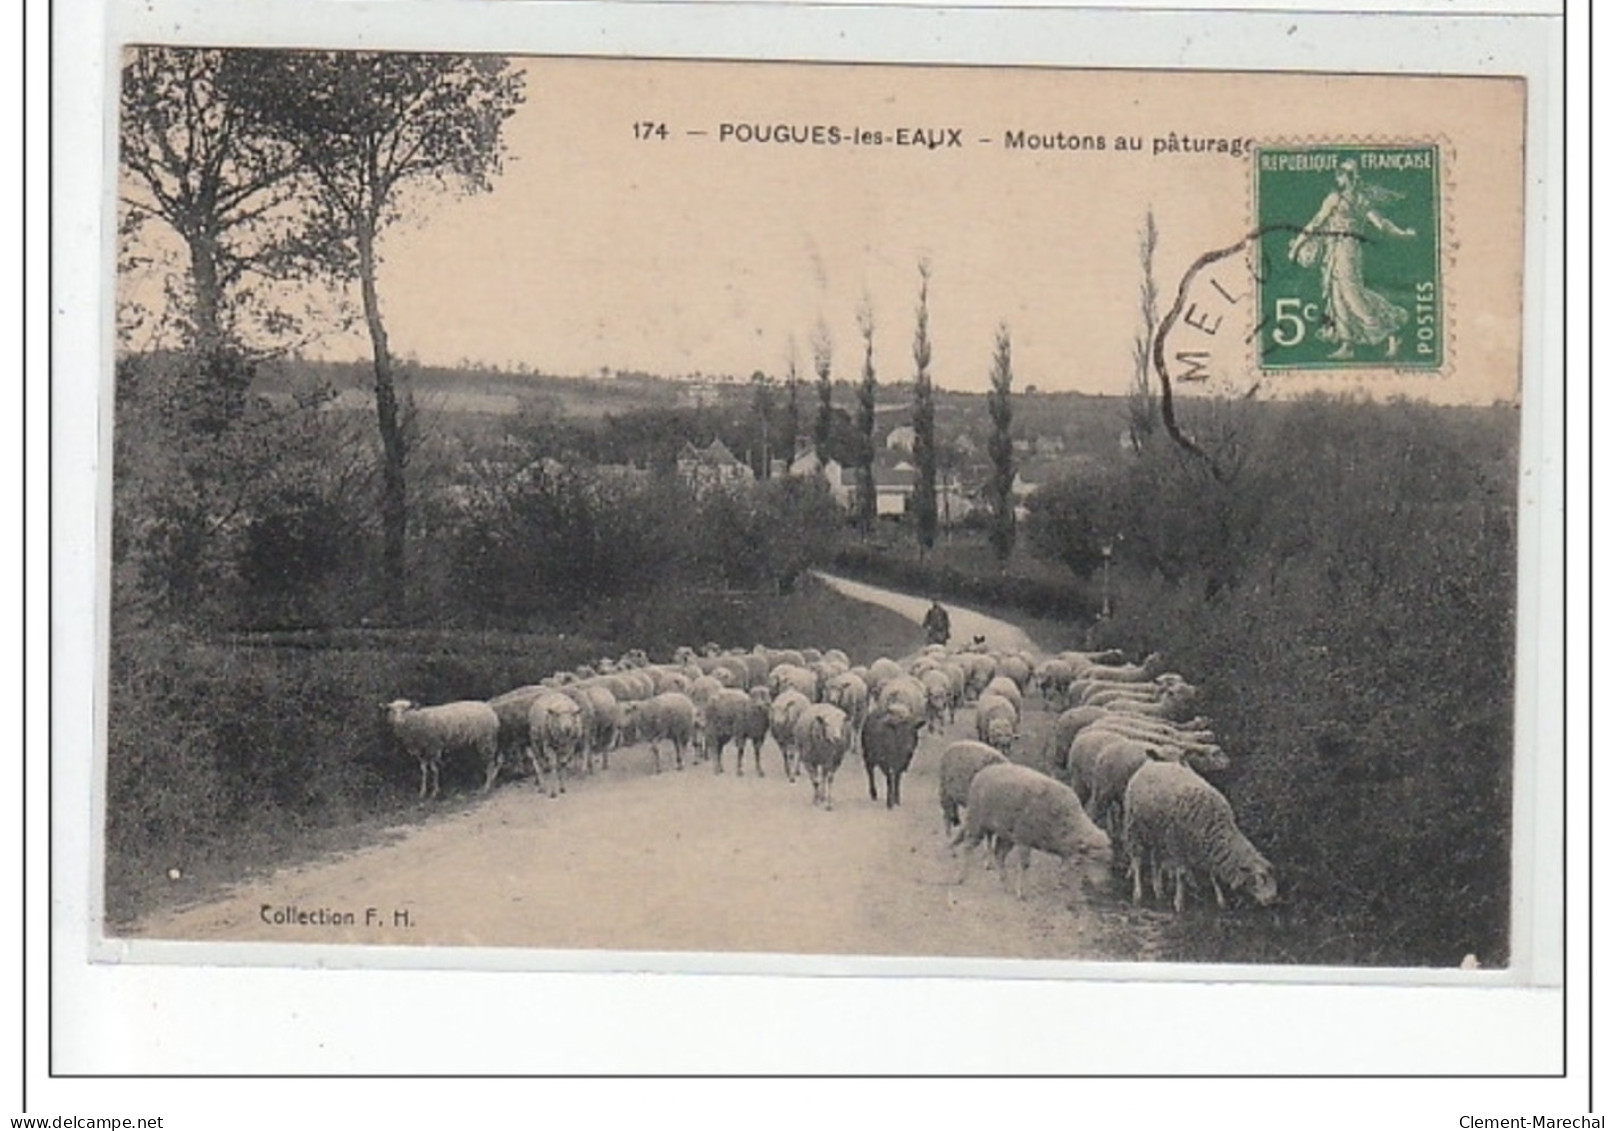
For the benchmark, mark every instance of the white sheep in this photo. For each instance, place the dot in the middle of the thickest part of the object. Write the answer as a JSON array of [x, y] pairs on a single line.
[[1177, 822], [995, 708], [960, 763], [792, 677], [782, 716], [904, 689], [1016, 667], [557, 733], [938, 699], [822, 740], [669, 716], [1005, 686], [431, 732], [1020, 808]]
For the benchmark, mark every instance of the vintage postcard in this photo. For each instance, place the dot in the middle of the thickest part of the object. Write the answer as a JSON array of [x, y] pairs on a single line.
[[573, 505]]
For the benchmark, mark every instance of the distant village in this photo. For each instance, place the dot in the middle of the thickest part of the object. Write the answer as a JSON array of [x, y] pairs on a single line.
[[1055, 435]]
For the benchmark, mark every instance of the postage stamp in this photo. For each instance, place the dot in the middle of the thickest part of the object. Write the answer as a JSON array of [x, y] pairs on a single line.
[[1350, 257]]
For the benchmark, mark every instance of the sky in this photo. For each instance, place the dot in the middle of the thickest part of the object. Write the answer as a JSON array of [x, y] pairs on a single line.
[[700, 251]]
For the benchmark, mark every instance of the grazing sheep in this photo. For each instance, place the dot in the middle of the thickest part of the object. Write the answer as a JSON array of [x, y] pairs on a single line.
[[668, 717], [579, 694], [978, 669], [1016, 668], [904, 689], [960, 763], [607, 723], [1112, 769], [996, 707], [849, 692], [1176, 821], [1051, 678], [938, 699], [734, 671], [757, 667], [1175, 704], [791, 656], [1083, 757], [511, 707], [1081, 661], [1003, 686], [668, 679], [431, 732], [782, 716], [1021, 808], [1142, 693], [790, 677], [1154, 664], [704, 688], [880, 672], [735, 716], [1077, 719], [1000, 734], [822, 737], [890, 734], [556, 729]]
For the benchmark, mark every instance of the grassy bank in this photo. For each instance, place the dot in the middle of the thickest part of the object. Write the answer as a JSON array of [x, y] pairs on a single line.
[[233, 753]]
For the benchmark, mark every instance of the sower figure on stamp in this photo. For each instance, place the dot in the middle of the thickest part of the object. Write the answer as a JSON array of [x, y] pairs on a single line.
[[936, 624], [1333, 241]]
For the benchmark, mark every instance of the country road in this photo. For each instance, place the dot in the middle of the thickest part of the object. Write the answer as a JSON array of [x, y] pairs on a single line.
[[689, 860]]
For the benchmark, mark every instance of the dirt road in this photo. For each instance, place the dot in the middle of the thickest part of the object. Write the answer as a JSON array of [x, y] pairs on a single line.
[[687, 860]]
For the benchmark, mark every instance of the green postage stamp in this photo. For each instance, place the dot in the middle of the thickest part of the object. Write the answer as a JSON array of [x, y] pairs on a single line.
[[1350, 273]]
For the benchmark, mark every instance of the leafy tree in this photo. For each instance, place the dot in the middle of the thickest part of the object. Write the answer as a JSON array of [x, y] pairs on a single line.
[[1067, 521], [1001, 449], [195, 160], [865, 462], [923, 500], [368, 127]]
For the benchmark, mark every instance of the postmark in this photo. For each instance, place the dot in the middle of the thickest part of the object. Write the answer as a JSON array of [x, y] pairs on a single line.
[[1350, 257]]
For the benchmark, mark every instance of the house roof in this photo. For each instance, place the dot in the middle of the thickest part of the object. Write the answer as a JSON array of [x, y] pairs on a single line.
[[715, 454], [898, 477]]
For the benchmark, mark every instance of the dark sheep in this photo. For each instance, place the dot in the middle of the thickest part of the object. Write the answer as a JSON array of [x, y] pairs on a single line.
[[890, 734]]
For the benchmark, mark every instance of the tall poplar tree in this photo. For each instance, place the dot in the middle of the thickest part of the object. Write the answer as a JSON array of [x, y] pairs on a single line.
[[1001, 449], [821, 367], [924, 496], [866, 421]]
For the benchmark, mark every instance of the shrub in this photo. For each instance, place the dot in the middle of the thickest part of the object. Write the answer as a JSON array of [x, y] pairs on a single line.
[[1359, 669]]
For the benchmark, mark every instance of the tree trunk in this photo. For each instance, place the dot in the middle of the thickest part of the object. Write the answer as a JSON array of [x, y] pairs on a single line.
[[220, 394], [395, 451]]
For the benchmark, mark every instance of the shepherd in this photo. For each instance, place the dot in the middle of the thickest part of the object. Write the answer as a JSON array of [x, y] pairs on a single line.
[[936, 624]]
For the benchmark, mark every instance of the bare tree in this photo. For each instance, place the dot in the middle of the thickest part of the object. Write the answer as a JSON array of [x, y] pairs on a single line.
[[368, 127], [925, 454], [1001, 448]]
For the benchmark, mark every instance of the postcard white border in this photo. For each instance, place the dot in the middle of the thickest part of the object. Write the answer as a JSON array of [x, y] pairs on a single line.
[[168, 1017]]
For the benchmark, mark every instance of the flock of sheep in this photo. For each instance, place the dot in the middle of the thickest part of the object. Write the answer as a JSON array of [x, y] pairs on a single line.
[[1125, 755]]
